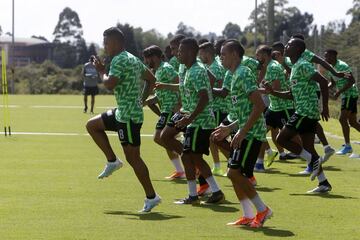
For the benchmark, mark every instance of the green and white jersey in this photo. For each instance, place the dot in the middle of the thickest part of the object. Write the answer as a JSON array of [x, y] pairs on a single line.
[[242, 85], [167, 98], [174, 62], [304, 89], [226, 102], [128, 69], [217, 58], [274, 71], [182, 72], [307, 55], [219, 72], [196, 79], [288, 62], [251, 63], [341, 66]]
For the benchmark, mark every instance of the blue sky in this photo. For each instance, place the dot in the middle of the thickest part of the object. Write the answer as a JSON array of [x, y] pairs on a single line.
[[39, 17]]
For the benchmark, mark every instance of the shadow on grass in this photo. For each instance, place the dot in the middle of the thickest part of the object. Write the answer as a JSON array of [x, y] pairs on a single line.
[[331, 168], [266, 189], [152, 216], [323, 195], [270, 231], [175, 181], [220, 207]]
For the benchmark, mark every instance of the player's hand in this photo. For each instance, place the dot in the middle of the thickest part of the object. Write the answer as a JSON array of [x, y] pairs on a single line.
[[182, 123], [237, 140], [220, 133], [337, 94], [99, 65], [325, 114]]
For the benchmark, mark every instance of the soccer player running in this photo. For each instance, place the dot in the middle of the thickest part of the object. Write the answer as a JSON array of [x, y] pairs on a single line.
[[167, 100], [251, 134], [174, 46], [220, 106], [303, 88], [199, 122], [348, 93], [279, 110], [125, 78]]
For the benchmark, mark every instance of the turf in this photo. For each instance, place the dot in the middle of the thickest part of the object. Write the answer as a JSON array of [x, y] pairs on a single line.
[[49, 188]]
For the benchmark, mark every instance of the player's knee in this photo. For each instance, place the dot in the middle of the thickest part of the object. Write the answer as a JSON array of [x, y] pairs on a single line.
[[90, 126]]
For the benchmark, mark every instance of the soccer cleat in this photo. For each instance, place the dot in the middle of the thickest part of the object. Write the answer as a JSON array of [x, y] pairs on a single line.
[[259, 167], [253, 181], [216, 197], [151, 203], [176, 175], [321, 189], [329, 151], [217, 171], [193, 200], [111, 167], [261, 217], [354, 155], [203, 189], [307, 171], [344, 150], [85, 109], [241, 221], [270, 158], [316, 168]]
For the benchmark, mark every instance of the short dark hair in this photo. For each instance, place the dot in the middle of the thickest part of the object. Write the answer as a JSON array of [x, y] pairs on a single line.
[[177, 39], [331, 51], [218, 45], [278, 46], [235, 46], [208, 47], [265, 49], [191, 43], [114, 32], [300, 44], [153, 50], [298, 35]]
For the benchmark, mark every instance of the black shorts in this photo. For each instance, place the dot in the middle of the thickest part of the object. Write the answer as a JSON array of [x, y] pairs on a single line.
[[91, 91], [129, 132], [176, 117], [349, 103], [302, 124], [197, 140], [219, 117], [245, 157], [163, 120], [278, 119]]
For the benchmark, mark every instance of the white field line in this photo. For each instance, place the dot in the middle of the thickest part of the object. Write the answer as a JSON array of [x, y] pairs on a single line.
[[114, 134]]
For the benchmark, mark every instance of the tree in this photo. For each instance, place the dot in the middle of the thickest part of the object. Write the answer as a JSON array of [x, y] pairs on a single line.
[[232, 30], [130, 42], [92, 50], [188, 31], [68, 29], [355, 11], [39, 37], [287, 20]]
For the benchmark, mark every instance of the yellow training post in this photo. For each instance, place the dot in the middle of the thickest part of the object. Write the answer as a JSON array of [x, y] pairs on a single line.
[[7, 128]]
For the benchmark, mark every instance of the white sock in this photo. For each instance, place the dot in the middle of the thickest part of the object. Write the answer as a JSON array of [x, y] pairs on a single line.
[[260, 160], [305, 155], [216, 164], [258, 203], [177, 164], [321, 177], [269, 151], [247, 208], [192, 188], [283, 154], [212, 183]]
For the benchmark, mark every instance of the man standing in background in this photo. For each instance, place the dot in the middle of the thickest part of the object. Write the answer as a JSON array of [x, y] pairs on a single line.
[[91, 78]]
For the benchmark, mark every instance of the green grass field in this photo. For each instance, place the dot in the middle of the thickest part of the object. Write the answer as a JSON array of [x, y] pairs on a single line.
[[49, 189]]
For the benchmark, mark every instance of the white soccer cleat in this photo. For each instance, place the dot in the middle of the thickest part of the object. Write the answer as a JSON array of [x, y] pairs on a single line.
[[151, 203], [321, 189], [329, 151], [354, 155], [111, 167]]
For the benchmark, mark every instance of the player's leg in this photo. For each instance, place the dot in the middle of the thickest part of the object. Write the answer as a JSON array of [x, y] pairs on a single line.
[[344, 122], [92, 103], [85, 102]]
